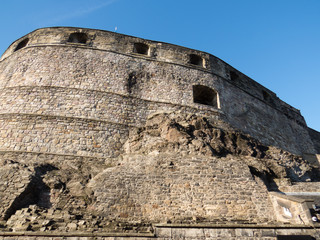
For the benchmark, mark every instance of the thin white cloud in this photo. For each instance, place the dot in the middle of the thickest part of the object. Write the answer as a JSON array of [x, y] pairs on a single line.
[[79, 12]]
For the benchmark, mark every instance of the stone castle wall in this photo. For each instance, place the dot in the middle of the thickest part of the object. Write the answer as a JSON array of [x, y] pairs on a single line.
[[164, 188], [55, 92], [315, 136], [151, 189], [177, 232], [87, 142]]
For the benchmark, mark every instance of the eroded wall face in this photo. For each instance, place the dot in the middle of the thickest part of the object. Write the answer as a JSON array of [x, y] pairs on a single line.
[[69, 105], [72, 86], [182, 190]]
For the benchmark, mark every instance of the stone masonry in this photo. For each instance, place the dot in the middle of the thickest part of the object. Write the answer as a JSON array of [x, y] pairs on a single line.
[[108, 136]]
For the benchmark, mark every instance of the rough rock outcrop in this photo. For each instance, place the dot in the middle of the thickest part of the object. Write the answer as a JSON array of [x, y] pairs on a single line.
[[177, 168]]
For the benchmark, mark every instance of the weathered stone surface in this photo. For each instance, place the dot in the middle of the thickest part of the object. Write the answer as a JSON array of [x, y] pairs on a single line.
[[107, 136], [178, 169], [105, 79], [172, 132]]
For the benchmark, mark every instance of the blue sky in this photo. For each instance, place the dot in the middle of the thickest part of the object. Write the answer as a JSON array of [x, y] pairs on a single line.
[[275, 42]]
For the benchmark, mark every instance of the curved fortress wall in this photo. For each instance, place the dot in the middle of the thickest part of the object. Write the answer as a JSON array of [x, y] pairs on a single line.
[[78, 91]]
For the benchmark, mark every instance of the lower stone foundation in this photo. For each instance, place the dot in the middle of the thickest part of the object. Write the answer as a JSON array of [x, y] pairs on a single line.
[[184, 231]]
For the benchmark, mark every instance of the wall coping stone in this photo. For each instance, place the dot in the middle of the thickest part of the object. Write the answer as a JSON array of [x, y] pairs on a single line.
[[290, 197], [258, 226]]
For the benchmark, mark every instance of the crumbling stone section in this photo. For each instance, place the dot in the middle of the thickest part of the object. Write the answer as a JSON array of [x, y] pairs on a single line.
[[108, 136], [15, 187], [191, 134], [178, 168], [53, 195]]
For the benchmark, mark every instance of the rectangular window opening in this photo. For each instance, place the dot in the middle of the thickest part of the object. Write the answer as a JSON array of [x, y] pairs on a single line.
[[196, 60], [141, 48]]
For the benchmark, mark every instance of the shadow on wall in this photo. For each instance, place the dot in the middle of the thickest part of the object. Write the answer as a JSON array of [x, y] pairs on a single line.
[[205, 95], [36, 192]]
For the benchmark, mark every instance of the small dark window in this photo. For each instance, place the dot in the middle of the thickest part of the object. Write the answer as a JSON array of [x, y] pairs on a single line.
[[141, 48], [234, 76], [196, 60], [78, 38], [266, 96], [22, 44], [295, 237], [205, 95]]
